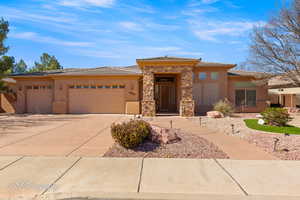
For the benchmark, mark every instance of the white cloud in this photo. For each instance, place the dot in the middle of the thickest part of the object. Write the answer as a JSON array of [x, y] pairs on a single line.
[[197, 11], [131, 26], [50, 40], [87, 3], [211, 30]]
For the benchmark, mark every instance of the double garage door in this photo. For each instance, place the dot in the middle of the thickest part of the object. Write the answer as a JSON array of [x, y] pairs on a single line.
[[96, 100], [80, 101]]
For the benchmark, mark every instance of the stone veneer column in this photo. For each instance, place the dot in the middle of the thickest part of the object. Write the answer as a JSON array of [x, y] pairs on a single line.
[[148, 103], [187, 104]]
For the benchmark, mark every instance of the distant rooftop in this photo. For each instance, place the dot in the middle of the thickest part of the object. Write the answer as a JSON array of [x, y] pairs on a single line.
[[168, 58]]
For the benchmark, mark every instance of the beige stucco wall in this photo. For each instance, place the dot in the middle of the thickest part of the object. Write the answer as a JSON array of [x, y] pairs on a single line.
[[199, 85], [261, 94], [61, 85]]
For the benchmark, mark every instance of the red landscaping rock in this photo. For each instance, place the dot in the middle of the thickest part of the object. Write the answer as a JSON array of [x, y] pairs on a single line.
[[164, 135], [215, 114]]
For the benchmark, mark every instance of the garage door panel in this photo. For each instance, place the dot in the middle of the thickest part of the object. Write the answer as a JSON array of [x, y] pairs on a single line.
[[39, 101], [96, 101]]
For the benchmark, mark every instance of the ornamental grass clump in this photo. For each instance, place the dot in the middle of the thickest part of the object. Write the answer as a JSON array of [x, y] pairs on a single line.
[[130, 134], [224, 107], [276, 116]]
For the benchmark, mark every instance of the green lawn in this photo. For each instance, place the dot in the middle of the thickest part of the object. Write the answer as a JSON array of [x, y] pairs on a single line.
[[252, 123]]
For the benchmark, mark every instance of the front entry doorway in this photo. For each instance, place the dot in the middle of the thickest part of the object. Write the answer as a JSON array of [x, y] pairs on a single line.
[[165, 94]]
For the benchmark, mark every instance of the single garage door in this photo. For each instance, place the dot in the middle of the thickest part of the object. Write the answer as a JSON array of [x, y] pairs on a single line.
[[39, 99], [96, 100]]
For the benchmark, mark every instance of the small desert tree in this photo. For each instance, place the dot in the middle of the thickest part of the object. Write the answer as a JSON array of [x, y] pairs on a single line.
[[276, 46]]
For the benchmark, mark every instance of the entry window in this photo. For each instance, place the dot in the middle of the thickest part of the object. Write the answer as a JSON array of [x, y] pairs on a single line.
[[214, 75], [244, 97], [202, 75]]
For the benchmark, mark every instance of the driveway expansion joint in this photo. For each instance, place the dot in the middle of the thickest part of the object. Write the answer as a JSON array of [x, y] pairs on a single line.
[[92, 137], [62, 175], [13, 162], [232, 178], [31, 136], [141, 174]]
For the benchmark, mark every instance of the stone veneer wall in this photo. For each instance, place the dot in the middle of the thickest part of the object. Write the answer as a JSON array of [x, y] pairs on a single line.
[[186, 86]]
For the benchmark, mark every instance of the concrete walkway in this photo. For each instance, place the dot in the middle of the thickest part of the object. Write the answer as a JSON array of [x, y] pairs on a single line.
[[137, 178], [234, 147]]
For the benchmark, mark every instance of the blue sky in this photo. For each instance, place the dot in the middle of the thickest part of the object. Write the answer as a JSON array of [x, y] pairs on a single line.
[[91, 33]]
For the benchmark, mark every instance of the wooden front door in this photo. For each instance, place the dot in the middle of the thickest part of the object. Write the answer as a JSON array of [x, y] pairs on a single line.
[[165, 96]]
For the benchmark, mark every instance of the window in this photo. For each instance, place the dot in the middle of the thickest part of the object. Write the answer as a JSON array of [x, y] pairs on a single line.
[[78, 86], [28, 87], [86, 86], [121, 86], [71, 86], [107, 86], [100, 86], [49, 87], [93, 86], [244, 97], [43, 87], [115, 86], [214, 75], [202, 75]]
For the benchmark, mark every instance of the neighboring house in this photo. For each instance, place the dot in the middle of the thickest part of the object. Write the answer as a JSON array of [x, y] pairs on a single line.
[[283, 92], [156, 85], [8, 100]]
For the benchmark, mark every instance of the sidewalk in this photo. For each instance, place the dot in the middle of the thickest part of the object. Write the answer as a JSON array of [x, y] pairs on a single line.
[[149, 178]]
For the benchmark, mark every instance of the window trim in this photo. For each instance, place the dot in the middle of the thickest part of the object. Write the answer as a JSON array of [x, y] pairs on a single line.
[[245, 95], [199, 76], [211, 76]]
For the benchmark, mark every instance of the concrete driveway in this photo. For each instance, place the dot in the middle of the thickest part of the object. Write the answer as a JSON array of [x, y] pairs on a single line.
[[56, 135]]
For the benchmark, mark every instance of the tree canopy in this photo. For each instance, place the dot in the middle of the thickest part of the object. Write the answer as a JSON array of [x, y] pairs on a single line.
[[20, 67], [275, 47], [6, 62], [47, 62]]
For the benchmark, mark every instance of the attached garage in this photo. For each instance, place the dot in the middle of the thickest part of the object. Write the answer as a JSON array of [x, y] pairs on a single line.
[[96, 99], [39, 99]]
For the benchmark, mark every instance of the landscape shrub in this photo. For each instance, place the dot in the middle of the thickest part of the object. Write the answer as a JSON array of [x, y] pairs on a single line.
[[130, 134], [276, 116], [225, 107]]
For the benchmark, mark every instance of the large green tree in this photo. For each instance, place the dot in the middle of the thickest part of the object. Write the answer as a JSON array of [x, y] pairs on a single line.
[[6, 62], [20, 67], [47, 62]]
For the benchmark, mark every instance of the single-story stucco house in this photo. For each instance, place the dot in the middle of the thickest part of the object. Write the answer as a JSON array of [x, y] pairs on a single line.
[[171, 85], [283, 92]]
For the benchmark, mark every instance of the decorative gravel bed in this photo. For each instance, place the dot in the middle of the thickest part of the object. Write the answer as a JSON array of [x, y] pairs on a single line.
[[190, 146], [264, 140]]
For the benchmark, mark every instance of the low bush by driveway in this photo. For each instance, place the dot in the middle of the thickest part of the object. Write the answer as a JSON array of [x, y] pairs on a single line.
[[189, 146]]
